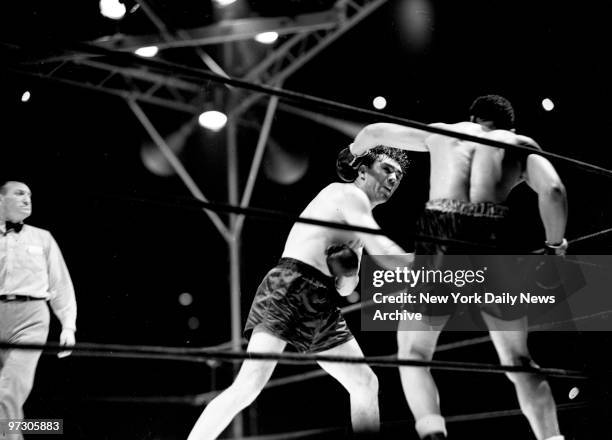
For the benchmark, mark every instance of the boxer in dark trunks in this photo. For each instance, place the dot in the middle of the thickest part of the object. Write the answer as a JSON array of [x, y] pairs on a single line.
[[469, 184], [295, 304]]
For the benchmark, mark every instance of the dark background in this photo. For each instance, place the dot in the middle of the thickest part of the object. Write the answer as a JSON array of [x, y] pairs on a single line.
[[80, 153]]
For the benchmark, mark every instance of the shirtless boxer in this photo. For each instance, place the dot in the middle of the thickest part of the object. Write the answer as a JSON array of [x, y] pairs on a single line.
[[294, 303], [469, 183]]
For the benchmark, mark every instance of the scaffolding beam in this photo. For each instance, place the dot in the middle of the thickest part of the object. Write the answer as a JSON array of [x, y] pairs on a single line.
[[226, 31]]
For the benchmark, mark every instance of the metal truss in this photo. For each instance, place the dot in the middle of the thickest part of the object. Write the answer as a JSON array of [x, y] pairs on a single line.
[[131, 83], [314, 33], [227, 30], [286, 59], [289, 57]]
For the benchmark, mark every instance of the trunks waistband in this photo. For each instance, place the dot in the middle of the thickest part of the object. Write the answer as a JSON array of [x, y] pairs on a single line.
[[480, 209], [305, 269], [19, 298]]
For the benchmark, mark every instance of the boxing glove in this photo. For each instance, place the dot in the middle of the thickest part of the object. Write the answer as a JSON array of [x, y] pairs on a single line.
[[342, 261]]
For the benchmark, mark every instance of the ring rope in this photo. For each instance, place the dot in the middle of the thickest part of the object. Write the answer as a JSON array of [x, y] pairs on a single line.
[[192, 203], [287, 380], [321, 103], [580, 239], [204, 398], [590, 236], [449, 419], [510, 412], [440, 348], [200, 355]]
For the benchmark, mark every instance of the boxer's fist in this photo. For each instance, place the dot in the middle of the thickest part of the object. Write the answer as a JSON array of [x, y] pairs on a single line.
[[347, 165], [342, 261]]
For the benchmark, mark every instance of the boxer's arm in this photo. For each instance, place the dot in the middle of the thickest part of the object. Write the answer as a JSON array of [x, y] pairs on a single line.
[[390, 135], [542, 177], [357, 212]]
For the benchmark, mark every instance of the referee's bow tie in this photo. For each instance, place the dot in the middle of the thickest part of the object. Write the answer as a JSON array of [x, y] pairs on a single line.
[[8, 226]]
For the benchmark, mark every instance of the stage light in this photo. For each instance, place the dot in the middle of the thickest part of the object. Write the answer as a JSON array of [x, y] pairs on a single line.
[[185, 299], [266, 37], [547, 104], [213, 120], [113, 9], [574, 393], [26, 96], [379, 103], [222, 3], [147, 51]]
